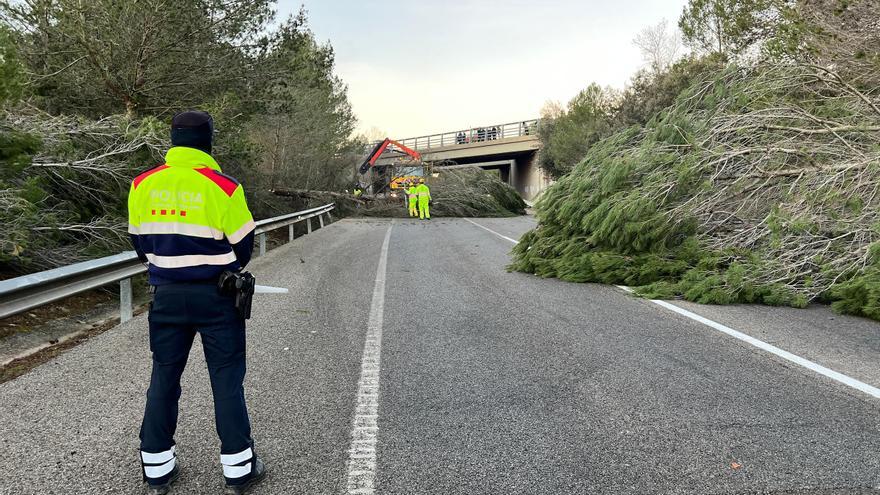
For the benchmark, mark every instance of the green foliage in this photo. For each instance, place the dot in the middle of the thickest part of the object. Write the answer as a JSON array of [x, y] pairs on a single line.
[[722, 284], [859, 295], [601, 223], [728, 27], [473, 192], [104, 57], [566, 137], [306, 120], [12, 78], [651, 93], [16, 149], [700, 183], [596, 113], [59, 204], [632, 211]]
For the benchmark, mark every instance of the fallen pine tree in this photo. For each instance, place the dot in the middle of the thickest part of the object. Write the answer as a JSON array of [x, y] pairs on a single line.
[[759, 185], [63, 184]]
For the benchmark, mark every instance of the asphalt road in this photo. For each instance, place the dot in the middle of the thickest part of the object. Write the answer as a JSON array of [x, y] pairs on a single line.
[[491, 383]]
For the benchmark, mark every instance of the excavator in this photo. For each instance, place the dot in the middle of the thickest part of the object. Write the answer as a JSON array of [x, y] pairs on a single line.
[[407, 166]]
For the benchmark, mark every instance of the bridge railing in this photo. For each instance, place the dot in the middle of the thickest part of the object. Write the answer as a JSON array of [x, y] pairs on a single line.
[[474, 135], [37, 289]]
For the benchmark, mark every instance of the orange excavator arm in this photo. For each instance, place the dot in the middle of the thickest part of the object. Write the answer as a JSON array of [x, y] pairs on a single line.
[[380, 148]]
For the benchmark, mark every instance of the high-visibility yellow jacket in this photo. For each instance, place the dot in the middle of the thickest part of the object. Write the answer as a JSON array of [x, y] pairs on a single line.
[[188, 219], [411, 194], [422, 191]]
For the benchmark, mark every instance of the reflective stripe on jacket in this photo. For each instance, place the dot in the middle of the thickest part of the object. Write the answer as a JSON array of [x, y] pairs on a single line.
[[188, 219], [422, 191]]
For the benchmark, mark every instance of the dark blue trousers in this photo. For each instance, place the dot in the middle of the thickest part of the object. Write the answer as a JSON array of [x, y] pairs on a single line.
[[178, 312]]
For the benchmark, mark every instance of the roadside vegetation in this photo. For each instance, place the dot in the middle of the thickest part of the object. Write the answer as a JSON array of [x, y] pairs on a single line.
[[747, 171], [87, 90]]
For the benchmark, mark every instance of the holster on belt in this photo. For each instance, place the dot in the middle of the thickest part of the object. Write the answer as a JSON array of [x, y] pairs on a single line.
[[241, 285]]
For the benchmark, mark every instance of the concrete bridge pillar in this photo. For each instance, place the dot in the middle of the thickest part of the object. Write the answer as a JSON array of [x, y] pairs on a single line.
[[513, 177], [531, 180]]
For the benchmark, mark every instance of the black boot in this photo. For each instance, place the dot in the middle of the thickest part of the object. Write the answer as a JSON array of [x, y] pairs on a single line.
[[166, 487], [258, 476]]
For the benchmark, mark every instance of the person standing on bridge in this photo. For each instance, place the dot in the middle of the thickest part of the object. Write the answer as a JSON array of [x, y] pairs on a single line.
[[191, 223], [424, 196]]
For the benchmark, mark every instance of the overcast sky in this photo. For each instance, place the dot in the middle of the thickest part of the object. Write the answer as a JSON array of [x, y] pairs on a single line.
[[423, 67]]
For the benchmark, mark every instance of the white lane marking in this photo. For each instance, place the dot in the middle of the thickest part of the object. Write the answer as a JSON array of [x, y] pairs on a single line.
[[365, 427], [492, 231], [760, 344]]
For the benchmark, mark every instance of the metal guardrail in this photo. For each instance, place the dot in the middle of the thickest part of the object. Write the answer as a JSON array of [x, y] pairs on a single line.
[[289, 220], [37, 289], [474, 135]]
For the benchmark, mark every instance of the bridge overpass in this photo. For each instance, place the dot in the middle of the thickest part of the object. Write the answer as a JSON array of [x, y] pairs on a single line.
[[407, 360], [509, 148]]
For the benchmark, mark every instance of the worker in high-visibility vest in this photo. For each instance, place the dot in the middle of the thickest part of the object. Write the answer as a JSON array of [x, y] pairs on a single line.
[[190, 223], [424, 195], [412, 199]]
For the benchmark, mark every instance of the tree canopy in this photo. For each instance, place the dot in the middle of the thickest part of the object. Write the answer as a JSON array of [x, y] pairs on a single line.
[[567, 136], [87, 90], [728, 27]]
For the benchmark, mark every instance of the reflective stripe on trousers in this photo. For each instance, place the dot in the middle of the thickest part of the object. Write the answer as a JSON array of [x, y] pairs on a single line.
[[237, 465], [158, 465]]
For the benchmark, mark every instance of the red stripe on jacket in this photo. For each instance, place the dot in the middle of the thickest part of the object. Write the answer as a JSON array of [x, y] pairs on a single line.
[[226, 184], [140, 178]]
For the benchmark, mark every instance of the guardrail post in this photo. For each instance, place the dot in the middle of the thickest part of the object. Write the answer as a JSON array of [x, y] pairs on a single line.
[[309, 225], [329, 218], [262, 244], [290, 233], [321, 220], [125, 309]]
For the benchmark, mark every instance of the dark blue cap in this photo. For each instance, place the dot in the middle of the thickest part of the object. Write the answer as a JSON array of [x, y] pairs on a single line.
[[193, 129]]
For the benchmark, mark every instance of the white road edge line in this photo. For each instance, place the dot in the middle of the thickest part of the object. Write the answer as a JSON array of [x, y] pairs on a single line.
[[365, 427], [492, 231], [760, 344]]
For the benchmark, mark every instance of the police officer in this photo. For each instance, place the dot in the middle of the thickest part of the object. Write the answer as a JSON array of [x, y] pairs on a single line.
[[191, 223]]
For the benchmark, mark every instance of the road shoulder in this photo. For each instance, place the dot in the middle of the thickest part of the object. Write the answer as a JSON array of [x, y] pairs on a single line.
[[846, 344]]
